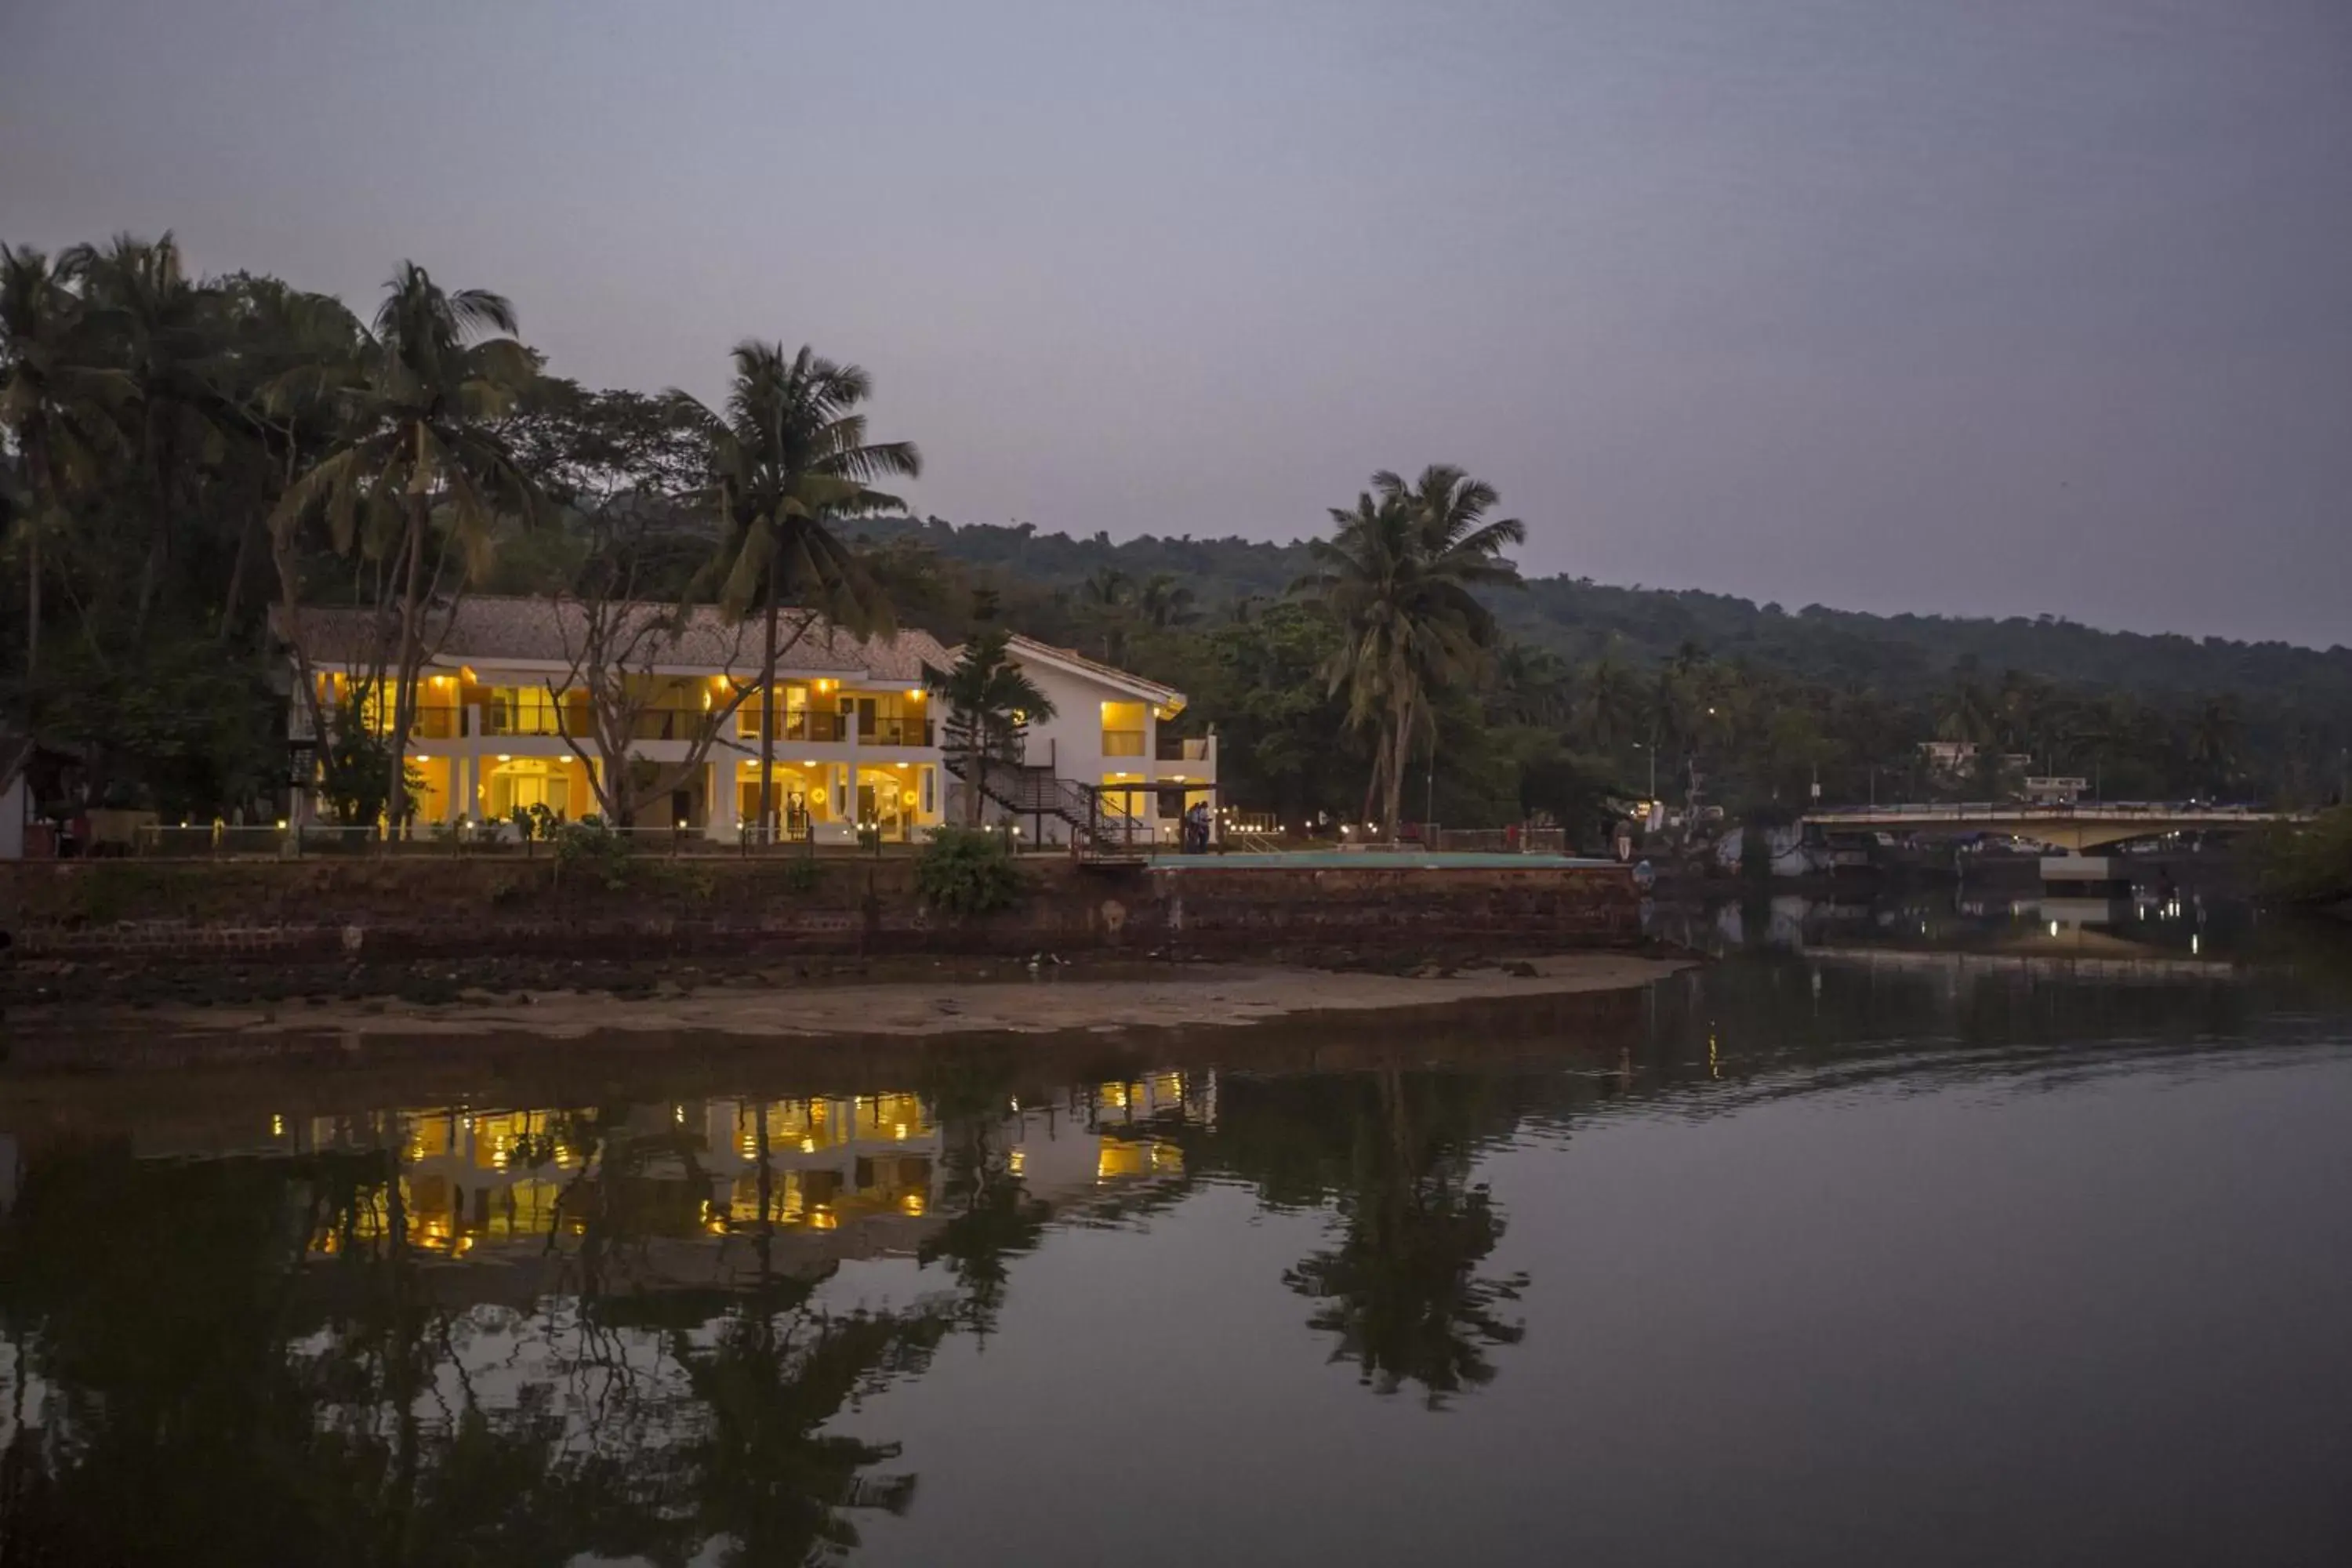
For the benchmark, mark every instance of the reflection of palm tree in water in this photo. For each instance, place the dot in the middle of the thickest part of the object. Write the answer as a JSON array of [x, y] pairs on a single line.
[[317, 1392], [992, 1218], [762, 1474], [1400, 1290]]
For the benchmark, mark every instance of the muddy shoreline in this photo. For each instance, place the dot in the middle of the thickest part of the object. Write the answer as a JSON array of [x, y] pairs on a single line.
[[745, 1010]]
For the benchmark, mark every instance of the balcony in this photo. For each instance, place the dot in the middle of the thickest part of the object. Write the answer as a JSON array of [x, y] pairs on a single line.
[[1186, 749], [436, 724], [669, 723], [500, 720], [899, 732], [799, 724]]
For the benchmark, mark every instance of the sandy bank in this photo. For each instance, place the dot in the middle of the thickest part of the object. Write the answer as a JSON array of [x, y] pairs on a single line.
[[1051, 1002]]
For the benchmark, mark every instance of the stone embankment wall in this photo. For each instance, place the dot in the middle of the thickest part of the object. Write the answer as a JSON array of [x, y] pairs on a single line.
[[397, 909]]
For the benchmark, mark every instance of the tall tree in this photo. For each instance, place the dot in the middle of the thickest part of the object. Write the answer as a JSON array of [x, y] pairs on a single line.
[[57, 403], [1166, 602], [1608, 709], [789, 457], [1401, 576], [1109, 595], [282, 348], [165, 327], [990, 705], [2213, 743], [421, 474]]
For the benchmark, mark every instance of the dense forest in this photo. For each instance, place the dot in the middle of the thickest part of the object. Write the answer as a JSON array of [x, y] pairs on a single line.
[[185, 462]]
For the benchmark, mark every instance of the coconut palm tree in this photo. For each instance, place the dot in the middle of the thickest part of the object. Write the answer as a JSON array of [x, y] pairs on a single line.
[[789, 457], [289, 350], [57, 403], [1531, 685], [990, 703], [420, 468], [165, 327], [1400, 577], [1609, 704], [1166, 602], [2213, 743], [1108, 597]]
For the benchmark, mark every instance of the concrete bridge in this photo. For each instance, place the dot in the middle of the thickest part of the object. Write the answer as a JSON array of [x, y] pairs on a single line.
[[2075, 827]]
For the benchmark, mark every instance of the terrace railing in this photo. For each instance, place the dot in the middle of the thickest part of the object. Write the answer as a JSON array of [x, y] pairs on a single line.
[[500, 720], [899, 732], [797, 725]]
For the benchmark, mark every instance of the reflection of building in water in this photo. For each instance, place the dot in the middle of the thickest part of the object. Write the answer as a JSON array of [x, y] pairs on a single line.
[[874, 1163]]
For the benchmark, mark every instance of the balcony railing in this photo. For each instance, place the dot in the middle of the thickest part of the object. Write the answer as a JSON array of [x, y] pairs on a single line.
[[1122, 742], [502, 721], [436, 724], [799, 725], [899, 732], [669, 723]]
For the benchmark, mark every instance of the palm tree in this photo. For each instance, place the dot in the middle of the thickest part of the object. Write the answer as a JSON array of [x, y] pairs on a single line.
[[790, 454], [55, 404], [165, 324], [1400, 576], [290, 351], [1531, 685], [1165, 602], [420, 456], [1107, 595], [990, 704], [1609, 707], [2213, 742]]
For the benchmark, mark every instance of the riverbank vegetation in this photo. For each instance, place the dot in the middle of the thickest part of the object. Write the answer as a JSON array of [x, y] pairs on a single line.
[[183, 456], [2311, 862]]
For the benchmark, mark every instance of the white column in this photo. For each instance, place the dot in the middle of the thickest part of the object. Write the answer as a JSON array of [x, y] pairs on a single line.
[[850, 732]]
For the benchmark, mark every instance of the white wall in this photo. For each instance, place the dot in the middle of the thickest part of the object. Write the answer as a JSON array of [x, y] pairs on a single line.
[[1074, 735]]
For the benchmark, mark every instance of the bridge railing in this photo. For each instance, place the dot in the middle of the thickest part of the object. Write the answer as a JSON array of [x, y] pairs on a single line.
[[1994, 811]]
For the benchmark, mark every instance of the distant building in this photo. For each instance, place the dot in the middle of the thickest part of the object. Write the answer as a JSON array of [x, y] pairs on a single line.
[[1955, 760], [2055, 790]]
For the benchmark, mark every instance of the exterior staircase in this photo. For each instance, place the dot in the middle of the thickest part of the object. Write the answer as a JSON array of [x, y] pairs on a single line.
[[1104, 833]]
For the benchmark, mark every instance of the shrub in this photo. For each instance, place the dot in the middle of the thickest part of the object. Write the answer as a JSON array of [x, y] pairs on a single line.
[[355, 769], [963, 873], [536, 821], [2309, 862], [588, 846]]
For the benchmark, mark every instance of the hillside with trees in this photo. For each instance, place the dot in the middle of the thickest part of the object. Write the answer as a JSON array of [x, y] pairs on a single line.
[[186, 463]]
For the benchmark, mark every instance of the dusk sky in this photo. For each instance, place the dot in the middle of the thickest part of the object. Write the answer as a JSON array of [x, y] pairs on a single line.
[[2003, 306]]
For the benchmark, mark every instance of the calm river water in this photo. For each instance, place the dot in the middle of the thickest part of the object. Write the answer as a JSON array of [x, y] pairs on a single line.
[[1917, 1234]]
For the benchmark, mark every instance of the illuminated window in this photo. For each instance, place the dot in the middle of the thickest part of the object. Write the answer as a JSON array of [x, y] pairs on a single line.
[[1122, 728]]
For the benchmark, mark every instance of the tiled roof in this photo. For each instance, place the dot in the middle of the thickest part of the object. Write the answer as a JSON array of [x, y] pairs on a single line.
[[1165, 696], [486, 629]]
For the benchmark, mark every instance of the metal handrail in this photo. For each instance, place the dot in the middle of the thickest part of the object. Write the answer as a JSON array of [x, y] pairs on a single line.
[[1971, 811]]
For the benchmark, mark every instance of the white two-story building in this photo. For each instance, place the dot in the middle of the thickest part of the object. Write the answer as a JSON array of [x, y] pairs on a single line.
[[1110, 734], [502, 722]]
